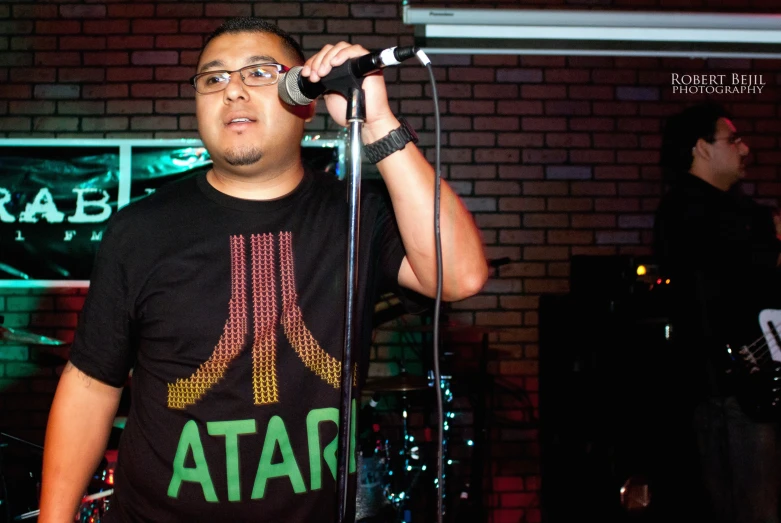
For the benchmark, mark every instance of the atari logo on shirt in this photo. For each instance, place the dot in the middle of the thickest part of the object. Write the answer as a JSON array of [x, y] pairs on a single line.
[[187, 391]]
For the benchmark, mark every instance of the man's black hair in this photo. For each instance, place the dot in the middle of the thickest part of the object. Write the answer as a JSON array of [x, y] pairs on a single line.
[[681, 133], [249, 24]]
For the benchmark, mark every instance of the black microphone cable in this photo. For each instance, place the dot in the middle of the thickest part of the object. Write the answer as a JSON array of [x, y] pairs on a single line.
[[424, 60]]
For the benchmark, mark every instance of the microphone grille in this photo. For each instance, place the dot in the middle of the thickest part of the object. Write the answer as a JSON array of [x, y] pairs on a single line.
[[290, 91]]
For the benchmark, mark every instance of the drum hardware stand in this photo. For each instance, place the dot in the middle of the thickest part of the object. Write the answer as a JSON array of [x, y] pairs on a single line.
[[482, 438], [20, 440], [6, 506]]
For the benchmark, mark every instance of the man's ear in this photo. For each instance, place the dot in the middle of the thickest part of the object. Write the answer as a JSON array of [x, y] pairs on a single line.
[[702, 149]]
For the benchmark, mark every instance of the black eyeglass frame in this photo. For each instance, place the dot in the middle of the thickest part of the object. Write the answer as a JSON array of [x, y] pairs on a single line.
[[281, 69], [734, 139]]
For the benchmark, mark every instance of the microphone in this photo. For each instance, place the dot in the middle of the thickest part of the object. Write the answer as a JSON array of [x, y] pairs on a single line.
[[295, 89]]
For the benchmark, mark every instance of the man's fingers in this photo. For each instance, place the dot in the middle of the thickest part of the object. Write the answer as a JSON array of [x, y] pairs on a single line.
[[313, 64], [327, 62], [328, 57]]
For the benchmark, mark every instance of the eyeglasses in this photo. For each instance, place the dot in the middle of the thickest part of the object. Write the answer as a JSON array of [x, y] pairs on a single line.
[[256, 75], [734, 138]]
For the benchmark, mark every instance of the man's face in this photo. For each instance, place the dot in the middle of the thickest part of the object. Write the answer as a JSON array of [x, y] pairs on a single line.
[[728, 153], [247, 129]]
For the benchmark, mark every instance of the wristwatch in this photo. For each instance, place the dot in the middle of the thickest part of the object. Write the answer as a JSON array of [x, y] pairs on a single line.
[[394, 141]]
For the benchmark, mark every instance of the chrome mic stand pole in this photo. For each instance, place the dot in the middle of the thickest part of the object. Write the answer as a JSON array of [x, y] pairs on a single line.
[[356, 116]]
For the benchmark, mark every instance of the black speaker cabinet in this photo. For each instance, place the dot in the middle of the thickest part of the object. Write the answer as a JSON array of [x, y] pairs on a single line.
[[608, 408]]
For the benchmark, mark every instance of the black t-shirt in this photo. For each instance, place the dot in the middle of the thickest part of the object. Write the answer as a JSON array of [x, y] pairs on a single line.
[[231, 314], [719, 250]]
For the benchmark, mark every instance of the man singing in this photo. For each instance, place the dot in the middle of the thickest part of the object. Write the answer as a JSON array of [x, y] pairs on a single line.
[[225, 294]]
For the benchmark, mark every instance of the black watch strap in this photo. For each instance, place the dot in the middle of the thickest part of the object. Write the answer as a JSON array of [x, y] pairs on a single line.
[[394, 141]]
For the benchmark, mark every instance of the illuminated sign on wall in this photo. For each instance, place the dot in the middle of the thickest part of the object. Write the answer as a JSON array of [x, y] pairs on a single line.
[[56, 196]]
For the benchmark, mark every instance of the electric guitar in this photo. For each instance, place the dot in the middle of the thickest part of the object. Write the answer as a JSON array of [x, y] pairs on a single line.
[[756, 368]]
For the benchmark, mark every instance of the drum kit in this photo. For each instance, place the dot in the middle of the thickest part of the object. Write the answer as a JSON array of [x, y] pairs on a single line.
[[21, 460], [397, 470], [21, 490], [393, 466]]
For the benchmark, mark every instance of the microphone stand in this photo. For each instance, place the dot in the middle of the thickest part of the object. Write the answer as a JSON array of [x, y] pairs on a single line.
[[356, 116], [347, 80]]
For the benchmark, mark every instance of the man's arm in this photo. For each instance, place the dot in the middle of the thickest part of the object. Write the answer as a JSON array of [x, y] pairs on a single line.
[[76, 435], [410, 181]]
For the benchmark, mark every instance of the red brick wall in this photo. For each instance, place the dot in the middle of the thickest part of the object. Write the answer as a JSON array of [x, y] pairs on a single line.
[[556, 156]]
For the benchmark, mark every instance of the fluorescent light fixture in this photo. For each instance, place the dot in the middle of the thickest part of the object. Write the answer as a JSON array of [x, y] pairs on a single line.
[[564, 32]]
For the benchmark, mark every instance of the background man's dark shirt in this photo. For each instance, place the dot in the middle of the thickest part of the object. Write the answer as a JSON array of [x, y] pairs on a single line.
[[720, 251]]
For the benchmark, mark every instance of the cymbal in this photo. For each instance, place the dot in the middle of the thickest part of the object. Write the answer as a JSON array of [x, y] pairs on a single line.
[[9, 335], [401, 383]]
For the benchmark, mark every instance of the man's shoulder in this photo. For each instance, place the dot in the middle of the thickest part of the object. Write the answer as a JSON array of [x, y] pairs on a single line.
[[156, 210], [682, 198], [672, 200], [176, 194]]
